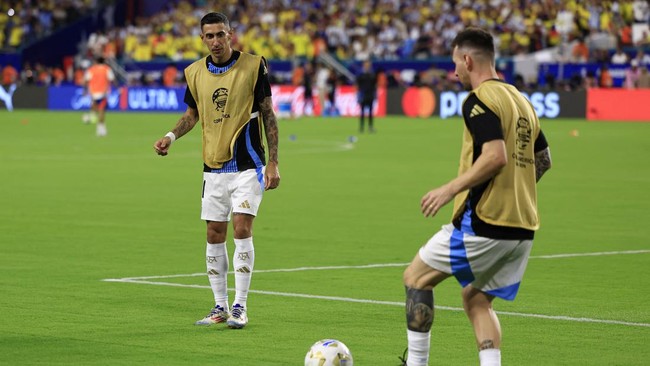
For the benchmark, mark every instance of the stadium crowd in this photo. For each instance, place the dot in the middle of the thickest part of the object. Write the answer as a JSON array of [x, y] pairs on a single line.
[[25, 21], [382, 29], [587, 30]]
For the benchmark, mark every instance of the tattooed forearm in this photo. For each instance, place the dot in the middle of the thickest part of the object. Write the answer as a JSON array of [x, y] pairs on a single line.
[[186, 122], [419, 309], [542, 162], [486, 344], [270, 128]]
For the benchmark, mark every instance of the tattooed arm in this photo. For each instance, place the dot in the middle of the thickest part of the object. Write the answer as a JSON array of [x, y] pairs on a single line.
[[272, 173], [542, 162], [183, 126]]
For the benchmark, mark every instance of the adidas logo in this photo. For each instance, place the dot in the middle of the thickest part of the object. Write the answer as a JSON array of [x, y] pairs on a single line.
[[213, 272], [245, 204], [243, 270], [476, 110]]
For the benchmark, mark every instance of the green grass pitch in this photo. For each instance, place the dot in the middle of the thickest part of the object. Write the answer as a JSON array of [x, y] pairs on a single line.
[[76, 210]]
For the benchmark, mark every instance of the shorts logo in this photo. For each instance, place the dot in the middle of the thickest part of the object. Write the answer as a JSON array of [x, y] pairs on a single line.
[[245, 204]]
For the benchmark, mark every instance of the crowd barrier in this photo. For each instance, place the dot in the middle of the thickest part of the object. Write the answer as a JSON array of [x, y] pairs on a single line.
[[289, 101]]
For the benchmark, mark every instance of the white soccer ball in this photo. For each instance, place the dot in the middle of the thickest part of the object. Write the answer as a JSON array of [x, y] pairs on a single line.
[[328, 352]]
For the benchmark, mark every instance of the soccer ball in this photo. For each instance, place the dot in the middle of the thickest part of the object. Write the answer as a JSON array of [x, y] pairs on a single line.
[[328, 352]]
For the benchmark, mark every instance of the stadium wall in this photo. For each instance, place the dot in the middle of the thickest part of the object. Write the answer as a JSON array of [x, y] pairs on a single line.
[[288, 101], [618, 105], [423, 102]]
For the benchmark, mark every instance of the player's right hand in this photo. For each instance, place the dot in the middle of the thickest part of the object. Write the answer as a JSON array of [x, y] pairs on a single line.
[[162, 146]]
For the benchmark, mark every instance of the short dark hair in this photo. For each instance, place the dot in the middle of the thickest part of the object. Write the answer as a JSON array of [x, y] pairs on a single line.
[[215, 18], [477, 39]]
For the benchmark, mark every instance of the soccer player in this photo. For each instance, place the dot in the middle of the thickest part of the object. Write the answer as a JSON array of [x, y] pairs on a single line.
[[99, 78], [230, 93], [486, 247], [366, 94]]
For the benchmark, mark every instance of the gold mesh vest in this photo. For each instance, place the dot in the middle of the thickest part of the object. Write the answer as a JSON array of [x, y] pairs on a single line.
[[510, 198], [224, 102]]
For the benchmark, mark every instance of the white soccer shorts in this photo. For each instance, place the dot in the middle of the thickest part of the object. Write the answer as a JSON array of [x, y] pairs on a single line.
[[225, 193], [494, 266]]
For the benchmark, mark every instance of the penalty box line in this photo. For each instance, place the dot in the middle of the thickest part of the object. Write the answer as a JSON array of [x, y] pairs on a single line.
[[147, 280]]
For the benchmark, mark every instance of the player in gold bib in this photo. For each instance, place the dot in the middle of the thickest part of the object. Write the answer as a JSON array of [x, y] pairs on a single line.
[[229, 92]]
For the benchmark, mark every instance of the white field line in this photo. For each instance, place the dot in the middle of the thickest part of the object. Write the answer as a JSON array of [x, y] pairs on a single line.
[[379, 265], [145, 280]]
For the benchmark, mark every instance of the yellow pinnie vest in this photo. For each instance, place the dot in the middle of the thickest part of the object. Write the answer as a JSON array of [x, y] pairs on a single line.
[[511, 196], [224, 102]]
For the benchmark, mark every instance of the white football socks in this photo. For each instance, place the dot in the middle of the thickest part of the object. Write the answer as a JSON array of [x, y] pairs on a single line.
[[216, 259], [418, 348], [243, 260], [490, 357]]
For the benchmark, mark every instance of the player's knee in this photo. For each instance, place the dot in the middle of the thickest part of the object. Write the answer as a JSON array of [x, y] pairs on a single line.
[[413, 279], [243, 226], [408, 277], [215, 238], [216, 234], [243, 232], [474, 299]]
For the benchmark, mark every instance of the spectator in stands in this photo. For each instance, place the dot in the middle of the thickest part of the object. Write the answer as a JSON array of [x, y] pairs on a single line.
[[590, 80], [625, 35], [57, 76], [605, 79], [27, 74], [632, 75], [170, 75], [619, 57], [642, 58], [644, 77], [580, 52], [641, 11], [142, 50], [9, 75]]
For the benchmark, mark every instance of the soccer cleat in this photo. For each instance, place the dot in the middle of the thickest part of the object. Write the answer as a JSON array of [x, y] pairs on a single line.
[[238, 318], [217, 315], [402, 359]]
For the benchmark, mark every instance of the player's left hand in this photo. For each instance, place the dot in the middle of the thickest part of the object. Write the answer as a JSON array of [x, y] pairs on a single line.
[[271, 176]]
